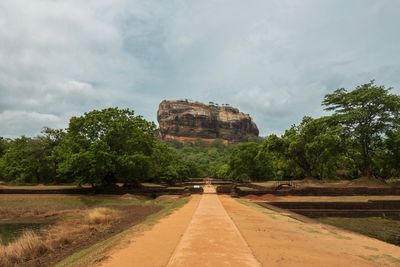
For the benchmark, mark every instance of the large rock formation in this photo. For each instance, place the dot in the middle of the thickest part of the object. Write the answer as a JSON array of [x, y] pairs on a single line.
[[186, 121]]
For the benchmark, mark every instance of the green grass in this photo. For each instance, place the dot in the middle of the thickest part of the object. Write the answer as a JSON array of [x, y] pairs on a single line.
[[152, 185], [245, 188], [94, 253], [387, 230], [266, 183], [40, 187], [175, 187], [11, 231], [382, 259], [310, 230], [55, 201]]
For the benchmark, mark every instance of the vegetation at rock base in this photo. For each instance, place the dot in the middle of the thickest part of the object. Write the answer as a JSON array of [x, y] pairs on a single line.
[[102, 147], [203, 159], [361, 137]]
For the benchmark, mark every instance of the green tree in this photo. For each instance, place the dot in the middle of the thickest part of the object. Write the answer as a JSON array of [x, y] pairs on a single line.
[[367, 113], [242, 162], [105, 146], [387, 161], [272, 156], [28, 160], [168, 166], [393, 148], [203, 159], [314, 148], [4, 144], [324, 147], [223, 171], [51, 138]]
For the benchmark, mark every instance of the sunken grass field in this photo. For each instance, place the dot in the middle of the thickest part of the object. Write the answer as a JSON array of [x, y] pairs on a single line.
[[44, 229], [48, 228]]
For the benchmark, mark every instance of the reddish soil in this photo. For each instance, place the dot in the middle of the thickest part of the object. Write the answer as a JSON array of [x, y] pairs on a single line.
[[278, 240], [153, 247], [266, 197], [369, 182], [216, 230], [212, 239]]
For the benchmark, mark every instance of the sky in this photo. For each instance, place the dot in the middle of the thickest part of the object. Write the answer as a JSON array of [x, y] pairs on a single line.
[[272, 59]]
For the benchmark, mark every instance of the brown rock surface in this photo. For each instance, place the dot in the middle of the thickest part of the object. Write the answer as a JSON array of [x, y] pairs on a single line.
[[186, 121]]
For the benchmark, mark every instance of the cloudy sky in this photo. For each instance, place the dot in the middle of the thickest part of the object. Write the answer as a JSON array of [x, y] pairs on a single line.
[[273, 59]]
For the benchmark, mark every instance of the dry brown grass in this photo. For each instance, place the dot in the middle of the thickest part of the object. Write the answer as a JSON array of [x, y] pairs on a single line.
[[101, 216], [13, 213], [30, 246], [7, 212]]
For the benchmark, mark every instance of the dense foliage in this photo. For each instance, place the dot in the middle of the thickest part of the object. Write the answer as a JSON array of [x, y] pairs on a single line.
[[368, 113], [203, 159], [101, 147], [360, 138]]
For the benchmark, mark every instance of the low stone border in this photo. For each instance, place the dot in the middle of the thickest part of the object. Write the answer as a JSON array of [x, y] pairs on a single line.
[[153, 192], [324, 191]]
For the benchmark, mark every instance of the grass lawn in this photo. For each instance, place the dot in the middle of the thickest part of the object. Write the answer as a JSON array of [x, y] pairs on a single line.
[[245, 188], [59, 201], [58, 187], [40, 187], [266, 183], [385, 229]]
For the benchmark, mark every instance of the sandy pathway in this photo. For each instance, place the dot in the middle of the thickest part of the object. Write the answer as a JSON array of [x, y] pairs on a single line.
[[212, 239], [278, 240], [153, 248], [219, 231]]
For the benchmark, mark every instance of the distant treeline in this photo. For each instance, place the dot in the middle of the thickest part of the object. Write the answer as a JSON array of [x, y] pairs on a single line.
[[361, 137], [102, 147]]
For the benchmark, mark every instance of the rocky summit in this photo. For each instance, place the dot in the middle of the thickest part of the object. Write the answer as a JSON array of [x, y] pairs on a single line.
[[187, 121]]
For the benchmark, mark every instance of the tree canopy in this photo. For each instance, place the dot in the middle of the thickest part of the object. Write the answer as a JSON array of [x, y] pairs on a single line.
[[368, 112], [105, 146], [360, 137]]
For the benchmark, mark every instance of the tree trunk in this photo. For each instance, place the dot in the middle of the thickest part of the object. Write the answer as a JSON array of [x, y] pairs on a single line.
[[366, 165]]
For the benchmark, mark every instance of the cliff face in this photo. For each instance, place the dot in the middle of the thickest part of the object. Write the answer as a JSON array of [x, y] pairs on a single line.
[[187, 121]]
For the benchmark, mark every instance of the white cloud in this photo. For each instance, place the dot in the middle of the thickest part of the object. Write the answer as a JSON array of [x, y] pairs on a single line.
[[30, 123], [271, 101], [272, 59]]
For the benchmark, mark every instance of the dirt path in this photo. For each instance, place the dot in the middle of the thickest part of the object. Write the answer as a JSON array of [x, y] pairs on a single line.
[[153, 248], [218, 231], [212, 239], [278, 240]]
